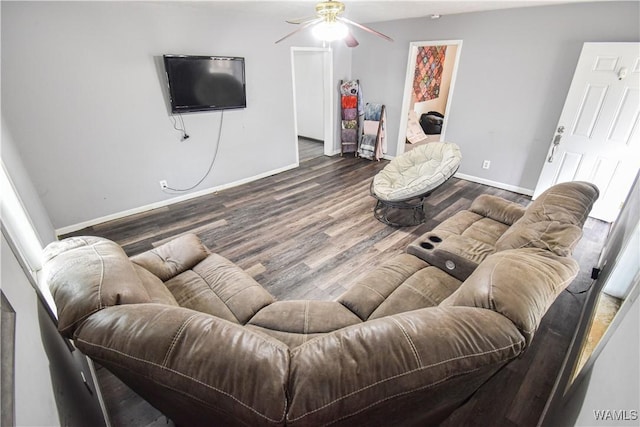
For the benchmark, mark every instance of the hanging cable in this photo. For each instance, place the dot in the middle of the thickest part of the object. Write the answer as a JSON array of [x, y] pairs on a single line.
[[182, 129], [213, 160], [584, 291]]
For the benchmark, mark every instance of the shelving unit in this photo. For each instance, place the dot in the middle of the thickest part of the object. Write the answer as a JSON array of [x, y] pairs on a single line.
[[351, 106]]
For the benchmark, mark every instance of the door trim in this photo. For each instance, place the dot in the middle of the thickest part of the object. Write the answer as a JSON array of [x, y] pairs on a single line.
[[328, 137], [408, 84]]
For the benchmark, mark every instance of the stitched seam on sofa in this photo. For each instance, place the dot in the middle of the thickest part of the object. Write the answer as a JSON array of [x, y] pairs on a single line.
[[468, 356], [422, 294], [175, 338], [218, 296], [411, 344], [100, 304], [405, 393], [390, 293], [241, 291], [182, 375], [376, 292], [490, 302]]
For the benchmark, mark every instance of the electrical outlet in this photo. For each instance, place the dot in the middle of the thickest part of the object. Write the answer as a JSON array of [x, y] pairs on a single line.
[[486, 164], [163, 184]]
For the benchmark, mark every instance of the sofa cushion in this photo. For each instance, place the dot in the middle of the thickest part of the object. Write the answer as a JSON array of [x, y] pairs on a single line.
[[521, 284], [554, 236], [157, 291], [219, 287], [174, 257], [371, 290], [427, 287], [87, 274], [295, 322], [471, 225], [567, 203], [497, 208], [554, 220]]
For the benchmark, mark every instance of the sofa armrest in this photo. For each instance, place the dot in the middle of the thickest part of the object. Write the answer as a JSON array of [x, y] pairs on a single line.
[[87, 274], [423, 363], [194, 366], [521, 284], [497, 208]]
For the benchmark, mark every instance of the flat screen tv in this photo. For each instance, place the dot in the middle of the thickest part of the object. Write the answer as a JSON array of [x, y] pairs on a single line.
[[202, 83]]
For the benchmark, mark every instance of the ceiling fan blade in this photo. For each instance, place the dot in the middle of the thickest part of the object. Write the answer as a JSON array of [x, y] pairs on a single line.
[[301, 20], [302, 27], [350, 40], [372, 31]]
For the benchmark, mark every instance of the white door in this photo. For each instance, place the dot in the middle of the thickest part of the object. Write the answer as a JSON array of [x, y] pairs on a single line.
[[597, 138]]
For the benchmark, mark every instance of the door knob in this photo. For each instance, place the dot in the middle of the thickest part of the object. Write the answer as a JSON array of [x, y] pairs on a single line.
[[556, 142]]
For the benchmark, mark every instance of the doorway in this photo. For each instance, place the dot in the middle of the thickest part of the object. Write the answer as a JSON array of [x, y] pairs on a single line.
[[312, 74], [431, 73]]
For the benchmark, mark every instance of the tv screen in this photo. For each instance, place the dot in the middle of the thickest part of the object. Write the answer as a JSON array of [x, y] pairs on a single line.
[[202, 83]]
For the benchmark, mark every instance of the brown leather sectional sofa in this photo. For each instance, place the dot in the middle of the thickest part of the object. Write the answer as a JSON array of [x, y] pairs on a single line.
[[206, 344]]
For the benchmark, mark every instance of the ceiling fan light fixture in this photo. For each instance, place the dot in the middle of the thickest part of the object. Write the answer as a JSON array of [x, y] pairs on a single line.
[[330, 31]]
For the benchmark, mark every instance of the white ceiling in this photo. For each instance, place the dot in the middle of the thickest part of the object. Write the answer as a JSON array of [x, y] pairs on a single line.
[[366, 11]]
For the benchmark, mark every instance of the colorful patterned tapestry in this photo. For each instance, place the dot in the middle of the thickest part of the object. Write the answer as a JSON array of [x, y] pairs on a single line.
[[428, 73]]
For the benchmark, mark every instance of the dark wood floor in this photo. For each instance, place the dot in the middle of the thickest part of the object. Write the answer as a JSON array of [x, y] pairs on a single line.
[[310, 233], [309, 148]]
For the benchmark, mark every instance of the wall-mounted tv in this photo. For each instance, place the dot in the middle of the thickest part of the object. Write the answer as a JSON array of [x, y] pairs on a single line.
[[202, 83]]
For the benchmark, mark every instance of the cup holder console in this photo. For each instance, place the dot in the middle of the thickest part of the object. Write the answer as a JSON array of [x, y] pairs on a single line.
[[426, 245], [432, 249], [431, 242]]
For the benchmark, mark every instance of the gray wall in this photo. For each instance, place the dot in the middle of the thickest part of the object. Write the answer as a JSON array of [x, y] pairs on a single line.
[[34, 399], [26, 190], [515, 69], [83, 98], [83, 94]]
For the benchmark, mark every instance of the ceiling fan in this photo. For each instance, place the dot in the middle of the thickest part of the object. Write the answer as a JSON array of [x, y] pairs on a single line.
[[328, 25]]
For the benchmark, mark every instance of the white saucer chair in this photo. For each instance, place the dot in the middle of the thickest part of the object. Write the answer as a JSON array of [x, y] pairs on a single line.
[[409, 178]]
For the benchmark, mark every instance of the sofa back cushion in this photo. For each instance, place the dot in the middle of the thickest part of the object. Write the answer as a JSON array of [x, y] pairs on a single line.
[[174, 257], [497, 208], [87, 274], [554, 220], [219, 287], [520, 284]]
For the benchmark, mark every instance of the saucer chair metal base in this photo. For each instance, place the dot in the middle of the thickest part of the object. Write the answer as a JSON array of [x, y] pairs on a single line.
[[403, 213]]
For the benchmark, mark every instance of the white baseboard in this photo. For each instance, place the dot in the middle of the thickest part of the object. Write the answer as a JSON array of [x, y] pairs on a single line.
[[173, 200], [500, 185], [168, 202]]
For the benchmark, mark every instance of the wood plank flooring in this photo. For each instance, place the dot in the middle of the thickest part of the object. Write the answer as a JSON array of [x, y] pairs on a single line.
[[309, 233], [309, 148]]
